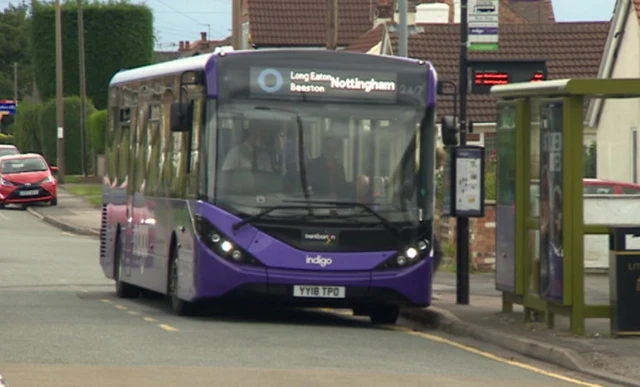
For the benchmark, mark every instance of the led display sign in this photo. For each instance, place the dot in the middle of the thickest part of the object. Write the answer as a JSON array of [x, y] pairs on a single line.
[[486, 74], [317, 83]]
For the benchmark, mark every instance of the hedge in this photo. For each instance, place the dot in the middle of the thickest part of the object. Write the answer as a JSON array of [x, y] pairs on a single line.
[[6, 139], [96, 128], [118, 35], [49, 133], [27, 127]]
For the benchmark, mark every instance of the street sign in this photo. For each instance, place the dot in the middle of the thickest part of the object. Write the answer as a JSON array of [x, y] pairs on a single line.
[[8, 107], [483, 16]]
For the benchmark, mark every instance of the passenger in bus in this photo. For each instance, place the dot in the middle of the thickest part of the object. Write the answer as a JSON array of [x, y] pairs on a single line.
[[326, 173], [248, 155]]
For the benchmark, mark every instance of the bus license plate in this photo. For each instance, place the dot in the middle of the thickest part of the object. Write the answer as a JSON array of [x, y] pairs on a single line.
[[318, 291], [29, 193]]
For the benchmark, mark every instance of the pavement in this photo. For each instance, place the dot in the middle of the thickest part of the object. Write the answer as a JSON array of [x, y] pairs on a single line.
[[61, 325]]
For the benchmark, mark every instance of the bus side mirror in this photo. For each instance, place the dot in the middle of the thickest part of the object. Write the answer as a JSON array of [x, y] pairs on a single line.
[[181, 116], [440, 88], [449, 131]]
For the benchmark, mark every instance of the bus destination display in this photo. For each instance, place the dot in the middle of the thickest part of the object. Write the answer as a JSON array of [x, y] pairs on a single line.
[[322, 84]]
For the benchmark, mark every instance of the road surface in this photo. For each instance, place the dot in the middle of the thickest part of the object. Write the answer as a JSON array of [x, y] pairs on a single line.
[[61, 325]]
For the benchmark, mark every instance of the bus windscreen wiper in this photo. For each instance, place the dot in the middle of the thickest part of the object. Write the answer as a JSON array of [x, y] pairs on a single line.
[[365, 207], [267, 210]]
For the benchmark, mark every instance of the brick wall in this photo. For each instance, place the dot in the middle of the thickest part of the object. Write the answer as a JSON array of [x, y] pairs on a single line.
[[482, 237]]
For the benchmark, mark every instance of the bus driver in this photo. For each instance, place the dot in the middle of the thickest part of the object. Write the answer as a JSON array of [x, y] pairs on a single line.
[[249, 155]]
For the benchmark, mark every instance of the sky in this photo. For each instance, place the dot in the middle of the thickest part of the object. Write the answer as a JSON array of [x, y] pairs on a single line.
[[177, 20]]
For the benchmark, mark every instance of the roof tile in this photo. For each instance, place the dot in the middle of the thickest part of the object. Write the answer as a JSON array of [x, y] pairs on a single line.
[[284, 23], [571, 50], [367, 41]]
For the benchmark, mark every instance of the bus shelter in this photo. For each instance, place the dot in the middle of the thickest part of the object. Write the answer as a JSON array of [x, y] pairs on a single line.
[[539, 211]]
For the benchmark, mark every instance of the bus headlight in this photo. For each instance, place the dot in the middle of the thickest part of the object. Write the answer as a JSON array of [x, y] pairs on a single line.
[[220, 244], [408, 256]]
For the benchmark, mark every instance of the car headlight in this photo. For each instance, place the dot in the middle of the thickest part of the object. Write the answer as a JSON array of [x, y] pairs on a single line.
[[222, 245], [408, 256], [5, 182], [48, 179]]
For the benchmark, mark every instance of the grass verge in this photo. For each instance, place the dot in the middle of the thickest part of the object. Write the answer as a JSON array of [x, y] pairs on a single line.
[[90, 192]]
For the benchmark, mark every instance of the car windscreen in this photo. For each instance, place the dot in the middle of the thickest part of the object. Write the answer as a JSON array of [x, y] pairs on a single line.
[[23, 166], [8, 152]]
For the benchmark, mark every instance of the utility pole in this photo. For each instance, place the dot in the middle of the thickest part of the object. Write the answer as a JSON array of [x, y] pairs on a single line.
[[15, 82], [332, 24], [83, 89], [235, 24], [59, 95], [462, 223], [403, 29]]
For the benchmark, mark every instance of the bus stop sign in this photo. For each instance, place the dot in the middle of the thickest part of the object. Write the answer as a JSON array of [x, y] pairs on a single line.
[[7, 107]]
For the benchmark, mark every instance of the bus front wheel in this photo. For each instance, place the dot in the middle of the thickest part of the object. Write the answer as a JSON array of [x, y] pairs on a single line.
[[384, 314], [123, 289], [179, 306]]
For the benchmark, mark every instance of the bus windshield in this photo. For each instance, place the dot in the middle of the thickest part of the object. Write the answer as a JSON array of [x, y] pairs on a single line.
[[285, 154]]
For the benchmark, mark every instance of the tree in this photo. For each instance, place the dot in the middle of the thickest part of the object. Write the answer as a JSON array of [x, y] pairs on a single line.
[[118, 35], [48, 133], [14, 40]]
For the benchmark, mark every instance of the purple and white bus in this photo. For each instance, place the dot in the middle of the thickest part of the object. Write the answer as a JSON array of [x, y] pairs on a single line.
[[303, 178]]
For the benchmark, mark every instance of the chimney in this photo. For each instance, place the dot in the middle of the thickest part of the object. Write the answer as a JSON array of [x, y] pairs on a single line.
[[432, 13], [181, 46], [203, 36], [456, 11], [383, 11]]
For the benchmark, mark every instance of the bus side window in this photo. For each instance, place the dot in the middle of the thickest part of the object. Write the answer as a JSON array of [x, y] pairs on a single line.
[[194, 162], [153, 150]]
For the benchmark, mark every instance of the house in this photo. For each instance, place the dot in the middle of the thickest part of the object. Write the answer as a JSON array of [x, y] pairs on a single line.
[[569, 50], [269, 24], [617, 120]]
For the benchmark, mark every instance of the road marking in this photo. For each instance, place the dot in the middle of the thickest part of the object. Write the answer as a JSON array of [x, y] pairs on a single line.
[[120, 307], [492, 356], [168, 328], [133, 312], [3, 216], [475, 351], [106, 301], [68, 233], [149, 319]]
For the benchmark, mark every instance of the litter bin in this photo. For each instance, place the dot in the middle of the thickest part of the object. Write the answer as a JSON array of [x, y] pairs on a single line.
[[624, 282]]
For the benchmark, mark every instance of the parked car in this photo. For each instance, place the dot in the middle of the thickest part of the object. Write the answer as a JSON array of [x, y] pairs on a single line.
[[608, 187], [597, 187], [26, 179], [8, 150]]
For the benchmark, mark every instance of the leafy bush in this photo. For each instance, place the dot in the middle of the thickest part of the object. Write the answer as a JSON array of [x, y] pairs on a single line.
[[72, 144], [27, 128], [118, 35], [6, 139], [96, 127]]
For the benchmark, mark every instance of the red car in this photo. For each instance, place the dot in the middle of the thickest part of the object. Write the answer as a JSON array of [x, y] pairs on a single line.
[[8, 150], [25, 179]]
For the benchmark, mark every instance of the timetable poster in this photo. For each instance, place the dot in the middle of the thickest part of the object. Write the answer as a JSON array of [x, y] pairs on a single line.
[[551, 195]]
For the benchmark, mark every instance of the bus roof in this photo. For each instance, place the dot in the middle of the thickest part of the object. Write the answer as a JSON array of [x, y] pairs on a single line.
[[197, 62]]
